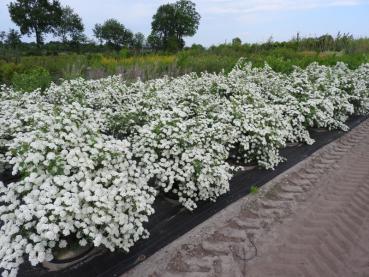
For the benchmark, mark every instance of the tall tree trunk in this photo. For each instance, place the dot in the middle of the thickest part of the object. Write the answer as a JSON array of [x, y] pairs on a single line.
[[39, 40]]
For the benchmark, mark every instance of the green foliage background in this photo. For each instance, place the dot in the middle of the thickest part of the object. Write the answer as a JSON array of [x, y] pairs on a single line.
[[97, 62]]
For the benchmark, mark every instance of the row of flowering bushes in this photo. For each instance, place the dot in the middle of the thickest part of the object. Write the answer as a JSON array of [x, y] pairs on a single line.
[[91, 156]]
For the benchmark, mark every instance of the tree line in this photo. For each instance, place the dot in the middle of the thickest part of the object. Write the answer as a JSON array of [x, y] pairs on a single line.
[[170, 25]]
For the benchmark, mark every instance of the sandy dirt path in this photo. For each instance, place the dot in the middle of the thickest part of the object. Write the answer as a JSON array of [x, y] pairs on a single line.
[[313, 220]]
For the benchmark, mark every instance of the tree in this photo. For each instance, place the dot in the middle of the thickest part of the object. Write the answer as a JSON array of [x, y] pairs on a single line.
[[236, 42], [13, 38], [154, 42], [114, 34], [138, 41], [2, 37], [71, 26], [98, 33], [187, 19], [173, 22], [174, 44], [197, 47], [326, 42], [36, 16]]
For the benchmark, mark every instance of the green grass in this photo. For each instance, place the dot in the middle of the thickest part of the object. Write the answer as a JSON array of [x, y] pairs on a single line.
[[281, 60], [254, 190], [196, 59]]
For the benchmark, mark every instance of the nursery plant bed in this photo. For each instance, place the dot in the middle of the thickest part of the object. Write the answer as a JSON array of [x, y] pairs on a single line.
[[171, 220]]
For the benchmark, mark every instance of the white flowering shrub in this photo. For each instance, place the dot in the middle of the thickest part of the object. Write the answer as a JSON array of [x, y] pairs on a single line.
[[16, 115], [356, 83], [184, 157], [75, 181], [267, 88], [90, 156], [176, 135]]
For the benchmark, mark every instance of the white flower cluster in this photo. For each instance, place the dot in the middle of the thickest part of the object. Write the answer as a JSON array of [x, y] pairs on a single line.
[[75, 180], [86, 151]]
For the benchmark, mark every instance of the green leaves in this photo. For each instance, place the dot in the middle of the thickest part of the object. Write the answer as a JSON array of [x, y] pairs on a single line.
[[172, 22], [36, 16], [70, 26], [197, 165], [114, 34], [32, 80]]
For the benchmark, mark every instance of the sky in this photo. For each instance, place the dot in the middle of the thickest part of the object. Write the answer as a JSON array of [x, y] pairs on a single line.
[[223, 20]]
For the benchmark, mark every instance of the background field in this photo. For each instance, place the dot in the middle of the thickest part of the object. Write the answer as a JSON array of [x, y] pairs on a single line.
[[28, 67]]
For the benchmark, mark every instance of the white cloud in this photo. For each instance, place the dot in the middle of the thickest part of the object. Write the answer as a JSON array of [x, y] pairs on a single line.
[[224, 7]]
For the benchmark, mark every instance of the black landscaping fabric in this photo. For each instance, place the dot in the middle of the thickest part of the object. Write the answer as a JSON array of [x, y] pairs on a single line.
[[172, 221]]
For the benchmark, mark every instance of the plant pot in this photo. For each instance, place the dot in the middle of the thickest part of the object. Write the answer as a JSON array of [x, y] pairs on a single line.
[[242, 167], [67, 255], [293, 144], [71, 255], [171, 197], [319, 130], [249, 167]]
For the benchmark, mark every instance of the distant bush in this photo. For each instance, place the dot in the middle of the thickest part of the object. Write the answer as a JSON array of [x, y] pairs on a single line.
[[124, 53], [7, 71], [101, 62], [224, 57], [33, 79]]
